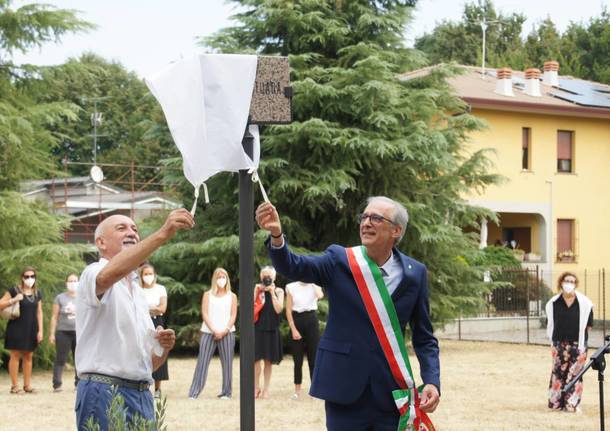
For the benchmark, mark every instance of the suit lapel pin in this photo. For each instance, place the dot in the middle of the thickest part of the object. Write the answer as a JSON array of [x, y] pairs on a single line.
[[410, 266]]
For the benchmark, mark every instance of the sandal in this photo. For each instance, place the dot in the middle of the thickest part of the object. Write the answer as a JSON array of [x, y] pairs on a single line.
[[257, 393], [15, 390], [29, 390]]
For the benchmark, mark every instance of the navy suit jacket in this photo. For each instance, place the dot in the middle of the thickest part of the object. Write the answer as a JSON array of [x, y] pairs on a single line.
[[349, 355]]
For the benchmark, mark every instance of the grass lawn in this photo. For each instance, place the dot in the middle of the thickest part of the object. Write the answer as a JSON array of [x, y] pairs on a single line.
[[486, 386]]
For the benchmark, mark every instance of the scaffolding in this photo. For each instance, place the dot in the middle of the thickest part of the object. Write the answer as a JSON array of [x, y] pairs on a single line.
[[88, 202]]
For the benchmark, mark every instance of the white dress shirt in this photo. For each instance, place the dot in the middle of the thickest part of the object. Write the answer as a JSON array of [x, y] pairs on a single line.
[[115, 335], [392, 272]]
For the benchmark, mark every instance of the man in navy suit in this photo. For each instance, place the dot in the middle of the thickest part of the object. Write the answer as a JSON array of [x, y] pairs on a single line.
[[352, 374]]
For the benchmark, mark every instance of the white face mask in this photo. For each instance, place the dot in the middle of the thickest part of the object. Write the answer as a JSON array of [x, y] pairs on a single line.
[[568, 287], [72, 286], [221, 282], [148, 279], [29, 282]]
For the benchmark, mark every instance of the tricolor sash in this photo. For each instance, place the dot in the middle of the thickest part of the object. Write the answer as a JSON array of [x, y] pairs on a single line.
[[382, 313]]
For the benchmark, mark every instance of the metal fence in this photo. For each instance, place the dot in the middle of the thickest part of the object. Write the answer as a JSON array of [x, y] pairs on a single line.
[[514, 309]]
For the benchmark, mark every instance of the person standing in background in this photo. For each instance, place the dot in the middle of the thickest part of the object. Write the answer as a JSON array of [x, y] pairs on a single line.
[[218, 312], [301, 313], [570, 316], [267, 338], [24, 333], [156, 298], [63, 329]]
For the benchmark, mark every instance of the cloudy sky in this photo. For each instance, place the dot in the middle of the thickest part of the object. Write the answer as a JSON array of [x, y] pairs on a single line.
[[145, 35]]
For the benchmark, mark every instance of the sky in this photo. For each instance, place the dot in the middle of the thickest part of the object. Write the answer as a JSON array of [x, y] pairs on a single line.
[[145, 35]]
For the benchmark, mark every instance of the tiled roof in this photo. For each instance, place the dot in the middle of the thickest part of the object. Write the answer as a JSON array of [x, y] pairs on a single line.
[[479, 91]]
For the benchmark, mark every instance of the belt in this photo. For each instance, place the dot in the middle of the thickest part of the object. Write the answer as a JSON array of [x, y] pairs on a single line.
[[303, 312], [115, 381]]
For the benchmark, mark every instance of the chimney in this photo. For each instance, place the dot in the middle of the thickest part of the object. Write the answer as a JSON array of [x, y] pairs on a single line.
[[551, 70], [532, 82], [504, 83]]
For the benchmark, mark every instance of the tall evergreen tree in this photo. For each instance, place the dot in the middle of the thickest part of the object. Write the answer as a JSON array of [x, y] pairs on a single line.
[[25, 135], [29, 233], [358, 131]]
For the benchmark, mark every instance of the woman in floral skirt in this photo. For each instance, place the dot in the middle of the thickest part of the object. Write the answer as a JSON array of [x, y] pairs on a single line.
[[570, 316]]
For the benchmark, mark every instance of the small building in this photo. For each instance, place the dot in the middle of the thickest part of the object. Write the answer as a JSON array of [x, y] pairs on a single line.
[[87, 203]]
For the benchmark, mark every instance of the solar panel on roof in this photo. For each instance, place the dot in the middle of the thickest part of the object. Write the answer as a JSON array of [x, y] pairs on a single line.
[[582, 93]]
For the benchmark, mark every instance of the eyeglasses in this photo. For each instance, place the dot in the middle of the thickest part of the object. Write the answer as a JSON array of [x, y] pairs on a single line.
[[375, 219], [25, 277]]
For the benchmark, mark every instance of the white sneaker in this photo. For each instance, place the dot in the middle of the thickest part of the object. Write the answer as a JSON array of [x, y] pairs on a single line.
[[295, 397], [192, 398], [224, 397], [158, 393]]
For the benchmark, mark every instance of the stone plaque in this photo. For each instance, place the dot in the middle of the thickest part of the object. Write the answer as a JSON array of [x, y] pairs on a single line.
[[272, 95]]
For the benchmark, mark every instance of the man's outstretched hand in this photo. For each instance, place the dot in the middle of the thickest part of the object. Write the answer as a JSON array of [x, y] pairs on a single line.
[[180, 219], [268, 219]]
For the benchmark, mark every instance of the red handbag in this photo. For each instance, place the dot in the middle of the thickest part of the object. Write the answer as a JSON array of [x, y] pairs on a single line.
[[258, 304]]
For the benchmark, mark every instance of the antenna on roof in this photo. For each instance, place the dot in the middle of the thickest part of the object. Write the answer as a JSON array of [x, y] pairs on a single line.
[[484, 24]]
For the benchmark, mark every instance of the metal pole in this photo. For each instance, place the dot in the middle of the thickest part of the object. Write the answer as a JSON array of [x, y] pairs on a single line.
[[94, 121], [484, 28], [604, 297], [246, 292], [599, 297], [527, 305]]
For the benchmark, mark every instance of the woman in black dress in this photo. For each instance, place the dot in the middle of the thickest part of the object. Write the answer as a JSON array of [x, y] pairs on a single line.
[[24, 333], [267, 340]]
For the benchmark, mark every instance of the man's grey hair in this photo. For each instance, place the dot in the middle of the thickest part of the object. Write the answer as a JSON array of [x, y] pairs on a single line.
[[400, 216], [269, 269]]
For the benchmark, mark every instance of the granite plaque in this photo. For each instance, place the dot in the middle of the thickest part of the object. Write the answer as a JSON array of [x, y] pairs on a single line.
[[272, 95]]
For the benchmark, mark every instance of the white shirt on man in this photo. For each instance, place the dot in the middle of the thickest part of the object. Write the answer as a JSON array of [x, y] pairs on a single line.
[[303, 296], [392, 272], [115, 335]]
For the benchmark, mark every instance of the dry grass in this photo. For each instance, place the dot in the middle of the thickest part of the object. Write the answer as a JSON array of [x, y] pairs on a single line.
[[486, 386]]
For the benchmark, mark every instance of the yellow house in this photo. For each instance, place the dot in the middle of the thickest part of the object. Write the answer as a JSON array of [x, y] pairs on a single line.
[[551, 136]]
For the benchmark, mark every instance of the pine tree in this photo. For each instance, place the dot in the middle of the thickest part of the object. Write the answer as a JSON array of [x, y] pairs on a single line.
[[358, 131], [30, 235]]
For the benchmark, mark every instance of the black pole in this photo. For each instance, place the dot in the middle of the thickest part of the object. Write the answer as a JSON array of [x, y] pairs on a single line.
[[246, 293]]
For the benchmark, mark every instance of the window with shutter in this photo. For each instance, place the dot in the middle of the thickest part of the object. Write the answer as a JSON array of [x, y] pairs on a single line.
[[565, 150], [525, 148], [565, 240]]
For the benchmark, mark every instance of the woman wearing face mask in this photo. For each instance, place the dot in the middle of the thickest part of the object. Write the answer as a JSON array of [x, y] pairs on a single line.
[[24, 333], [63, 330], [156, 297], [570, 316], [218, 312], [267, 339]]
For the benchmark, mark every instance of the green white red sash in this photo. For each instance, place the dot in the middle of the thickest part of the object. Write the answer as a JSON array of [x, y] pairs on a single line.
[[382, 313]]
